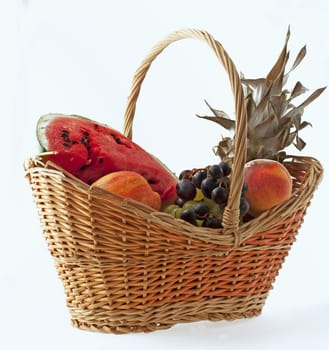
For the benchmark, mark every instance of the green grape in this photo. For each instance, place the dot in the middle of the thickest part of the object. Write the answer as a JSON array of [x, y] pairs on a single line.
[[170, 208], [216, 210], [178, 212], [174, 210], [199, 222], [199, 195], [209, 202], [189, 204]]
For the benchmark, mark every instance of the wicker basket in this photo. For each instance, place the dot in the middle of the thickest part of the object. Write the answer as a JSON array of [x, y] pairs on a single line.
[[126, 268]]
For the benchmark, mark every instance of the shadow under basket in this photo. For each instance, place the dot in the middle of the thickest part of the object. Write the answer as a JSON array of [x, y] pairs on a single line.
[[127, 268]]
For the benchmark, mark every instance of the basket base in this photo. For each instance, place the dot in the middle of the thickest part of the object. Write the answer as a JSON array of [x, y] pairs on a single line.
[[163, 317]]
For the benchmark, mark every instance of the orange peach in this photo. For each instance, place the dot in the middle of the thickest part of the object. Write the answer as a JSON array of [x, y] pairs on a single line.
[[132, 185], [269, 184]]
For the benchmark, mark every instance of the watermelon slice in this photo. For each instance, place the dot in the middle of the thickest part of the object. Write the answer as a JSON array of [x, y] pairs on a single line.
[[89, 150]]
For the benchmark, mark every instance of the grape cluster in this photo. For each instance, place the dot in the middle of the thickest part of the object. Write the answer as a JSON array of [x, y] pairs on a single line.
[[202, 195]]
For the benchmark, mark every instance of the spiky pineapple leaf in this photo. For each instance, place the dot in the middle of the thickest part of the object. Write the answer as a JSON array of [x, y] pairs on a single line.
[[252, 83], [300, 56], [304, 124], [220, 117], [289, 139], [224, 149], [280, 63], [228, 124], [312, 97], [250, 106], [267, 128], [256, 88], [300, 143], [298, 90], [280, 104], [258, 116]]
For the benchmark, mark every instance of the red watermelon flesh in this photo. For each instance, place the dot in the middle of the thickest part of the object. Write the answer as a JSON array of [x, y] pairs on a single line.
[[89, 150]]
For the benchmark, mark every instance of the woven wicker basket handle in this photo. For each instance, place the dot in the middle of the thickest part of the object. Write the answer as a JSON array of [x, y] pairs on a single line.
[[231, 213]]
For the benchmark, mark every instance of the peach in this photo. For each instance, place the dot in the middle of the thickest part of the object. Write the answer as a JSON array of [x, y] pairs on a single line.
[[132, 185], [269, 184]]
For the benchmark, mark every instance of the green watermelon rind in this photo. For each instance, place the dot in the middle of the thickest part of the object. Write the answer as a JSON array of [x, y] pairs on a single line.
[[46, 119]]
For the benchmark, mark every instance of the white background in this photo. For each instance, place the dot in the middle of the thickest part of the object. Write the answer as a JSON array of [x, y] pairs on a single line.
[[79, 57]]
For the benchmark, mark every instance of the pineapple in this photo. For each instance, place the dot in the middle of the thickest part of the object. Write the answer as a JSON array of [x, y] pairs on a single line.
[[274, 121]]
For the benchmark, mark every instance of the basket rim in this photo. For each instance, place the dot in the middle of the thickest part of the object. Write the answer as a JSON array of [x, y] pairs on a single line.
[[298, 201]]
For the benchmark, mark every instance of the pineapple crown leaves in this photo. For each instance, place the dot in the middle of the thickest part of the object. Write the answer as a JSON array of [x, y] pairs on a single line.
[[274, 121]]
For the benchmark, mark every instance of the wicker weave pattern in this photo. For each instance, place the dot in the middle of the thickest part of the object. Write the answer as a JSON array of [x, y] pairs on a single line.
[[126, 268]]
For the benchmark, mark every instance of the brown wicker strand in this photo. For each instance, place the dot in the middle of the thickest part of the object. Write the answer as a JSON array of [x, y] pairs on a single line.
[[231, 219]]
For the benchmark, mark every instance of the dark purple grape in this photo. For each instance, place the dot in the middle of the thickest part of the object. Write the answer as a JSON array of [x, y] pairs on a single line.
[[226, 167], [184, 174], [225, 182], [185, 190], [179, 201], [215, 171], [212, 223], [201, 210], [219, 195], [207, 185], [244, 206], [222, 206], [189, 216], [244, 188], [198, 177]]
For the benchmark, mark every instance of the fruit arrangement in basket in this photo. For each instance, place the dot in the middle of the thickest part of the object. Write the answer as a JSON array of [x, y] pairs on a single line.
[[105, 158], [140, 249]]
